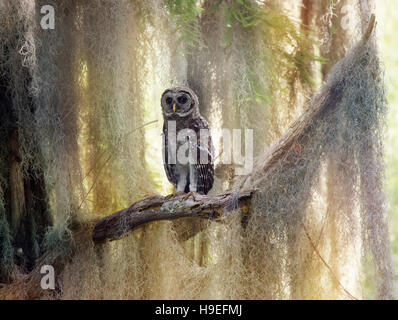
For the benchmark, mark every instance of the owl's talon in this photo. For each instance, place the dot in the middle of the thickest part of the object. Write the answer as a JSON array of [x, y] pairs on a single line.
[[188, 195], [175, 195]]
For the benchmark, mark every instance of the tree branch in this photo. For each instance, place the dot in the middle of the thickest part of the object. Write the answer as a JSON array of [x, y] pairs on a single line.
[[167, 208]]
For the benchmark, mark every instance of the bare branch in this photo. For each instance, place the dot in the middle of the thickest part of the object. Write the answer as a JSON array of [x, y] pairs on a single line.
[[167, 208]]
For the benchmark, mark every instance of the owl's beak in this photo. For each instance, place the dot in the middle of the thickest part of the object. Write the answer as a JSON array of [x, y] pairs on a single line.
[[174, 107]]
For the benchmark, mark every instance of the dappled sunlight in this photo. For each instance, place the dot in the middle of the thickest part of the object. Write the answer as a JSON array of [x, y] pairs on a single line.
[[86, 107]]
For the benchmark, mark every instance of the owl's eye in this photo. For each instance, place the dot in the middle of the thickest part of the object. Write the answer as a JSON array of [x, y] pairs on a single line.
[[169, 100], [182, 99]]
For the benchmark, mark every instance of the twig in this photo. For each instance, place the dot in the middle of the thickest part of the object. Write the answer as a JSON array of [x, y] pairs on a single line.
[[105, 163], [326, 264], [103, 153], [370, 28]]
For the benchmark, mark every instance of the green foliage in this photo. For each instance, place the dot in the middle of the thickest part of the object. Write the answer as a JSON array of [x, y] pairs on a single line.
[[280, 33], [254, 53], [272, 26], [273, 63], [185, 14]]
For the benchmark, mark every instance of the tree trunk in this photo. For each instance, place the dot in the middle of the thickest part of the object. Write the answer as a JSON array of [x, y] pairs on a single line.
[[23, 189]]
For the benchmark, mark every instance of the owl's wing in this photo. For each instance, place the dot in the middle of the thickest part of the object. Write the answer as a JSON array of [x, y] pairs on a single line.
[[170, 169], [205, 176], [205, 150]]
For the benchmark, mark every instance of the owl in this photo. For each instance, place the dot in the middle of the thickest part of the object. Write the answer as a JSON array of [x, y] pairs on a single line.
[[188, 152]]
